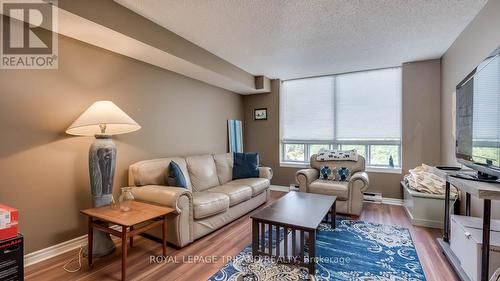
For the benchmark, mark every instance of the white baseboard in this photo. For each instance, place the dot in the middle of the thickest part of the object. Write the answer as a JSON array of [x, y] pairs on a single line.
[[279, 188], [55, 250], [59, 249]]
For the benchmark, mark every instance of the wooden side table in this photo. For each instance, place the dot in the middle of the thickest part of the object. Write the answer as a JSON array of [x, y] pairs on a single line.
[[100, 218]]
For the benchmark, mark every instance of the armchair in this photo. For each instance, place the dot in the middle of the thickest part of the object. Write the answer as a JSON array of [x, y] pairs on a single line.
[[349, 194]]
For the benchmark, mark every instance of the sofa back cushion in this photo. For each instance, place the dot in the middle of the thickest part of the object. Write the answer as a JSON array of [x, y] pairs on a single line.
[[353, 166], [202, 172], [224, 165], [155, 172]]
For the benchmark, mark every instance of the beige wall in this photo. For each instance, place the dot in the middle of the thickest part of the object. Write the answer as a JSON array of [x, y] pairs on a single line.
[[421, 106], [44, 171], [475, 43], [421, 113]]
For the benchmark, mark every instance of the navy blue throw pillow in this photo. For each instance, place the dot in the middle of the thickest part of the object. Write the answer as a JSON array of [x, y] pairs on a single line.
[[176, 175], [246, 165]]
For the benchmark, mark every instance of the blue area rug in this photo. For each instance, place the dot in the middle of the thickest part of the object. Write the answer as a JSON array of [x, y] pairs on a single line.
[[355, 250]]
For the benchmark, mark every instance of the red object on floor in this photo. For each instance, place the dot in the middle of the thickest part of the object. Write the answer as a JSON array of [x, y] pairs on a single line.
[[11, 228], [11, 231]]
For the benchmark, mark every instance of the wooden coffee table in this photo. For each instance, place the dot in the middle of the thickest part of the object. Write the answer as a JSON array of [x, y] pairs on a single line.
[[299, 214], [139, 213]]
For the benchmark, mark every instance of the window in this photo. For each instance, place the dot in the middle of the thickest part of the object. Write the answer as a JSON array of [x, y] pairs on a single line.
[[361, 148], [294, 152], [360, 110]]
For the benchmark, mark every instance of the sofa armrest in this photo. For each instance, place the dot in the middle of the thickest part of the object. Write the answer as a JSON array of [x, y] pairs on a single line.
[[265, 172], [180, 224], [167, 196], [304, 177], [361, 180]]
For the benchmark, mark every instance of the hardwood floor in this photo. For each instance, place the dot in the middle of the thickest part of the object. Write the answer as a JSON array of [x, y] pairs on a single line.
[[226, 242]]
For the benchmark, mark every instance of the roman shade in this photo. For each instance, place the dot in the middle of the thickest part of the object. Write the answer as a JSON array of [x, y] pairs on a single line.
[[368, 105], [307, 109], [359, 106]]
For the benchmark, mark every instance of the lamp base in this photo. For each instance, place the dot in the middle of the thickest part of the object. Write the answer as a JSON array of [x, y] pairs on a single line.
[[102, 245], [102, 157]]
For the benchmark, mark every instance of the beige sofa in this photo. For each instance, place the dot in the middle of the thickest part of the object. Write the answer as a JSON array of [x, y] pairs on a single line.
[[349, 194], [211, 200]]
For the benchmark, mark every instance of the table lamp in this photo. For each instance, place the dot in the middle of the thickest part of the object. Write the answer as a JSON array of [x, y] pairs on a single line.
[[102, 120]]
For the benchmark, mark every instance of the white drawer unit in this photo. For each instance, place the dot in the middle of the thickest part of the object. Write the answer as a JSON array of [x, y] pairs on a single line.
[[466, 243]]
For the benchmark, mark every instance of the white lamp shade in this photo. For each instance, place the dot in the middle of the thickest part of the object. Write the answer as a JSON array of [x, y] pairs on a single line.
[[103, 114]]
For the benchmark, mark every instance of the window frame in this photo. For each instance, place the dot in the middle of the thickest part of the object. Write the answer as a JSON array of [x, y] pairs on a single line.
[[337, 144]]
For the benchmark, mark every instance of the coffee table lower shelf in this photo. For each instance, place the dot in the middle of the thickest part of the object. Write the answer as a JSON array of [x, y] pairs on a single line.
[[290, 250]]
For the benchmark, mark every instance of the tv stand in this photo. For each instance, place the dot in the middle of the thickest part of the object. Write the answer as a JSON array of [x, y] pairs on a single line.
[[482, 190]]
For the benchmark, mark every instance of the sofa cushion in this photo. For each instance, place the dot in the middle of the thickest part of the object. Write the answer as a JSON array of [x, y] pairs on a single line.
[[336, 188], [206, 204], [245, 165], [258, 185], [236, 193], [224, 165], [202, 172]]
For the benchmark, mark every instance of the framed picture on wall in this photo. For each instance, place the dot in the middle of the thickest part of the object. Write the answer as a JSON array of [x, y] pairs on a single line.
[[260, 114]]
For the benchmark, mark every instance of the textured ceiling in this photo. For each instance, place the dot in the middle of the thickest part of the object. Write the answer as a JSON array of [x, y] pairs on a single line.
[[291, 38]]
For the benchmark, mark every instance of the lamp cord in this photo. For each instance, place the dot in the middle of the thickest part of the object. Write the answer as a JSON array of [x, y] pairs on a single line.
[[79, 258]]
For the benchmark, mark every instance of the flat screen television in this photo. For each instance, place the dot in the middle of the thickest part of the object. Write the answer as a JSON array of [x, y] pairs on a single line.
[[478, 118]]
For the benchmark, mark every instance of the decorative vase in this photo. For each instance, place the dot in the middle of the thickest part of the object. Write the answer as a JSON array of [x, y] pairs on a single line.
[[125, 198], [102, 161]]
